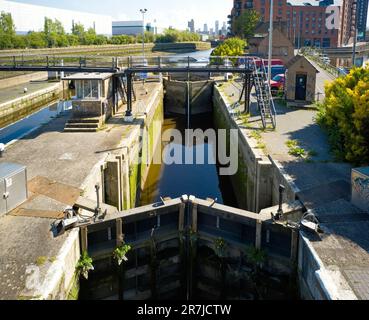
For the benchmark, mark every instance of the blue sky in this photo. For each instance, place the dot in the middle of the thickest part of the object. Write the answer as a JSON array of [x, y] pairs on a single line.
[[174, 13], [167, 12]]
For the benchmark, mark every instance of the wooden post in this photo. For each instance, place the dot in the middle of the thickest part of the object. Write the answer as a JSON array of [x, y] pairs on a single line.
[[194, 217], [84, 242], [259, 226], [294, 245], [182, 208], [119, 229]]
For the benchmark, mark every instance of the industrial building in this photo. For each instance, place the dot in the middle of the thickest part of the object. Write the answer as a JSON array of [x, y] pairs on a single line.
[[29, 17], [131, 28]]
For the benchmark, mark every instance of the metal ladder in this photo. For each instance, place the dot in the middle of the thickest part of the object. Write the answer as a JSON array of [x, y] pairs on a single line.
[[264, 96]]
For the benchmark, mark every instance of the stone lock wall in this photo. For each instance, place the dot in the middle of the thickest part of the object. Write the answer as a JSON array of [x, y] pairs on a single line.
[[17, 109]]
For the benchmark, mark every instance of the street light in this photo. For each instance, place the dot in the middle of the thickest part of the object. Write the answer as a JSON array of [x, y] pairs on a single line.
[[270, 41], [143, 11]]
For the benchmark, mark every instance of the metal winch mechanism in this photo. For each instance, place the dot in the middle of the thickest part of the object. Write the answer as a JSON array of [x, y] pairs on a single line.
[[309, 222], [73, 218]]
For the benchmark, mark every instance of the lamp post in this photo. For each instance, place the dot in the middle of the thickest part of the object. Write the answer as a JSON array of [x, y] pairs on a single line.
[[143, 11], [270, 41]]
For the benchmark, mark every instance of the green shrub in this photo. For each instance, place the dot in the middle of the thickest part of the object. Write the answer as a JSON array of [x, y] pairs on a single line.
[[344, 114]]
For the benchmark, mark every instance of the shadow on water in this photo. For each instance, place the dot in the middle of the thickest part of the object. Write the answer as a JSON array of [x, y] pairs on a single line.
[[175, 180]]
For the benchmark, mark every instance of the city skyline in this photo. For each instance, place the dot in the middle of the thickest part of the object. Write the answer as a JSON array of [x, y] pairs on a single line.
[[165, 12]]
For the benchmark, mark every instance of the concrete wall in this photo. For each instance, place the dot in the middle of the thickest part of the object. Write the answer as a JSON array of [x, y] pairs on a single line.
[[123, 174], [176, 96], [254, 179], [17, 109], [15, 81]]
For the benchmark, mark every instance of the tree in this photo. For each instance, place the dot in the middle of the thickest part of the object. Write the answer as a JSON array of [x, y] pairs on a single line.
[[36, 40], [54, 33], [78, 30], [6, 24], [245, 24], [231, 47], [7, 31]]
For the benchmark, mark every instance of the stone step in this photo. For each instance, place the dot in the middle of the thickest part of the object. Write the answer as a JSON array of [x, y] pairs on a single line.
[[80, 129], [82, 125], [84, 120]]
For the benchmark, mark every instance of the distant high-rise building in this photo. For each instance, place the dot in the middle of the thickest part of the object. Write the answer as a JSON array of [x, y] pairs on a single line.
[[352, 14], [224, 29], [206, 29], [211, 32], [191, 25], [217, 28]]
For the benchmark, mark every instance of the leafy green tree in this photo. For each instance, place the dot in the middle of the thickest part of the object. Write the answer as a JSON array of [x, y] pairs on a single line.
[[78, 30], [172, 35], [54, 33], [246, 23], [6, 24], [230, 47], [344, 114], [36, 40], [7, 31]]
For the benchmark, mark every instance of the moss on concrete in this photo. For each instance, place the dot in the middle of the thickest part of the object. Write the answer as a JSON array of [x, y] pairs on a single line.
[[240, 180], [73, 293]]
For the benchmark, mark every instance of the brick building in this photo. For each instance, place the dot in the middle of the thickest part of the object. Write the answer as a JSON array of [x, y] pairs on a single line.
[[306, 24], [352, 9]]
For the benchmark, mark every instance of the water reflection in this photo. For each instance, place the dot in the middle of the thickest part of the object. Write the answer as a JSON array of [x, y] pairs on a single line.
[[18, 129], [200, 180]]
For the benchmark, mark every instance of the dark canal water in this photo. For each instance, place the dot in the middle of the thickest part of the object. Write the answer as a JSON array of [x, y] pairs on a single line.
[[200, 180]]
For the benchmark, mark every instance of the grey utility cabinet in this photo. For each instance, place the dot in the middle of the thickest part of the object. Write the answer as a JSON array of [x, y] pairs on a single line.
[[13, 186]]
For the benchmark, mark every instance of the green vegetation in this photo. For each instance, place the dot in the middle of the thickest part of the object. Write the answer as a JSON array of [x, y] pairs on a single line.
[[345, 117], [256, 257], [54, 36], [84, 265], [41, 261], [120, 253], [173, 35], [230, 47], [246, 23], [295, 150], [220, 247]]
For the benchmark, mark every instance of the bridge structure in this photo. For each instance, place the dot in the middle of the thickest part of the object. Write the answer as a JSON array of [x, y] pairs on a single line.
[[362, 49], [124, 69]]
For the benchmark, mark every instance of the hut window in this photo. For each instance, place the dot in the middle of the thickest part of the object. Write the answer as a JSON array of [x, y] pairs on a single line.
[[87, 89]]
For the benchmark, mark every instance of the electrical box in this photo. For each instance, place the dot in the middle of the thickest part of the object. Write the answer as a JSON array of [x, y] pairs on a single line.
[[360, 188], [13, 186]]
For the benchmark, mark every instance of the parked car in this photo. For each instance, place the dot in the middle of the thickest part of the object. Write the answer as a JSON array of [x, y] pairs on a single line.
[[277, 83], [276, 70]]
